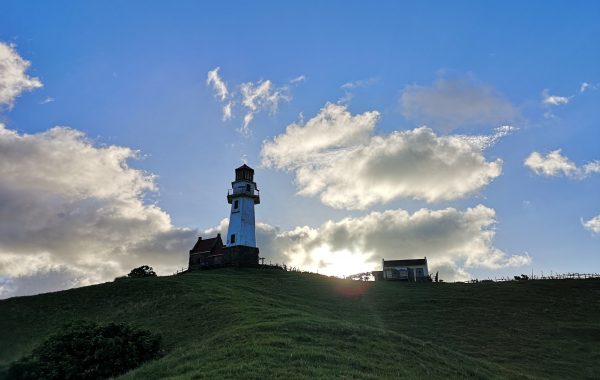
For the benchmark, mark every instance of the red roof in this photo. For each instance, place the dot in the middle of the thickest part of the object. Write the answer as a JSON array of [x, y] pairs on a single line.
[[212, 245]]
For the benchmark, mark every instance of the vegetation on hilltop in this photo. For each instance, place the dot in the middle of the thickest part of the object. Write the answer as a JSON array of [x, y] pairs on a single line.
[[257, 323]]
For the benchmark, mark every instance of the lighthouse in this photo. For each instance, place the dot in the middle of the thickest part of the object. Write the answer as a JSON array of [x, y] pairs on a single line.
[[241, 249], [242, 197]]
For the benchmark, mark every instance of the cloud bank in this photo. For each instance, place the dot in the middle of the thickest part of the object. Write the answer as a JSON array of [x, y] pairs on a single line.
[[453, 103], [555, 164], [73, 213], [452, 240], [335, 156], [13, 77], [62, 224]]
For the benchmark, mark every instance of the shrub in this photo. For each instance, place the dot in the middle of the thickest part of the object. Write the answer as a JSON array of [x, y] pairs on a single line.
[[143, 271], [86, 350]]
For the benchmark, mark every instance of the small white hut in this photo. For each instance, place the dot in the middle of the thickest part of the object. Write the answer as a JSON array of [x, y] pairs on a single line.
[[412, 270]]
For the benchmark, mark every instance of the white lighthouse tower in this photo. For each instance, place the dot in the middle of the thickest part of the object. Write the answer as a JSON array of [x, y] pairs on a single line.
[[242, 197]]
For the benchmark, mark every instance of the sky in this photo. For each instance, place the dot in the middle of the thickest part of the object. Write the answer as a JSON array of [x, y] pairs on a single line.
[[467, 132]]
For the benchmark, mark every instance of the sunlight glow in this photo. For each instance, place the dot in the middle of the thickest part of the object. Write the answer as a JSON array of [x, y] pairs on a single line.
[[340, 263]]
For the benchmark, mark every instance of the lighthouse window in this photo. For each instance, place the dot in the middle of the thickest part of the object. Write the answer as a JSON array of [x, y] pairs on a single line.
[[232, 239], [248, 188], [235, 204]]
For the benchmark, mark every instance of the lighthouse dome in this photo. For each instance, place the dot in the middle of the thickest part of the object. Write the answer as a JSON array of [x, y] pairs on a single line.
[[244, 172]]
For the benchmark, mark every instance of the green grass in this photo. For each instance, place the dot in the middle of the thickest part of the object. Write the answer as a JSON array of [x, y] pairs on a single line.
[[253, 323]]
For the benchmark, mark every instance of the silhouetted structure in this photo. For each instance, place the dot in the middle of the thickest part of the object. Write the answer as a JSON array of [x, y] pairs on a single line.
[[211, 253], [412, 270], [206, 253], [241, 247]]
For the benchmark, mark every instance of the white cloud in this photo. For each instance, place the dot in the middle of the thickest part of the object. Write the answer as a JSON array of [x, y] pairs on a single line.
[[259, 96], [550, 165], [218, 84], [591, 168], [335, 156], [253, 97], [449, 104], [247, 120], [332, 128], [485, 141], [359, 83], [298, 79], [585, 86], [13, 78], [553, 100], [555, 164], [452, 240], [228, 111], [592, 225], [348, 88], [62, 221]]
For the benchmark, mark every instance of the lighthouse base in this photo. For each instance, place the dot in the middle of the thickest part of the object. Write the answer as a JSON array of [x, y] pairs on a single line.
[[241, 256], [235, 256]]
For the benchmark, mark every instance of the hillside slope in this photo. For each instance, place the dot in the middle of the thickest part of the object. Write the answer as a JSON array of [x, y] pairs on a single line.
[[255, 323]]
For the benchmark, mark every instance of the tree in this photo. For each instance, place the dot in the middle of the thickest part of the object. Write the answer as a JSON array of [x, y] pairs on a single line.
[[143, 271], [86, 350]]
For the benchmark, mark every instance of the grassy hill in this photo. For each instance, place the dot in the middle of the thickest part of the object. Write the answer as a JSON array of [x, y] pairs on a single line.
[[256, 323]]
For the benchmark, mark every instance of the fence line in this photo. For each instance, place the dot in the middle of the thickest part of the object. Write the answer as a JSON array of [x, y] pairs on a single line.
[[523, 277], [552, 276]]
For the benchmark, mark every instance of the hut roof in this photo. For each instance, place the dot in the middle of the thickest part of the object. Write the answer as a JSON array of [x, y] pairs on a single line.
[[404, 263]]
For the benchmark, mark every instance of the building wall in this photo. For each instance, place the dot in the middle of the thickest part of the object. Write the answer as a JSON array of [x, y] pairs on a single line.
[[238, 256], [241, 219], [411, 268]]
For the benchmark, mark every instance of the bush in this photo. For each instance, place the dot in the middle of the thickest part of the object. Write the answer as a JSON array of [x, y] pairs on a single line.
[[143, 271], [86, 350]]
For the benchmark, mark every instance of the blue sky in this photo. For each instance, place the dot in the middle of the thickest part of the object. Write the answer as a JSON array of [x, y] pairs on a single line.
[[134, 74]]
